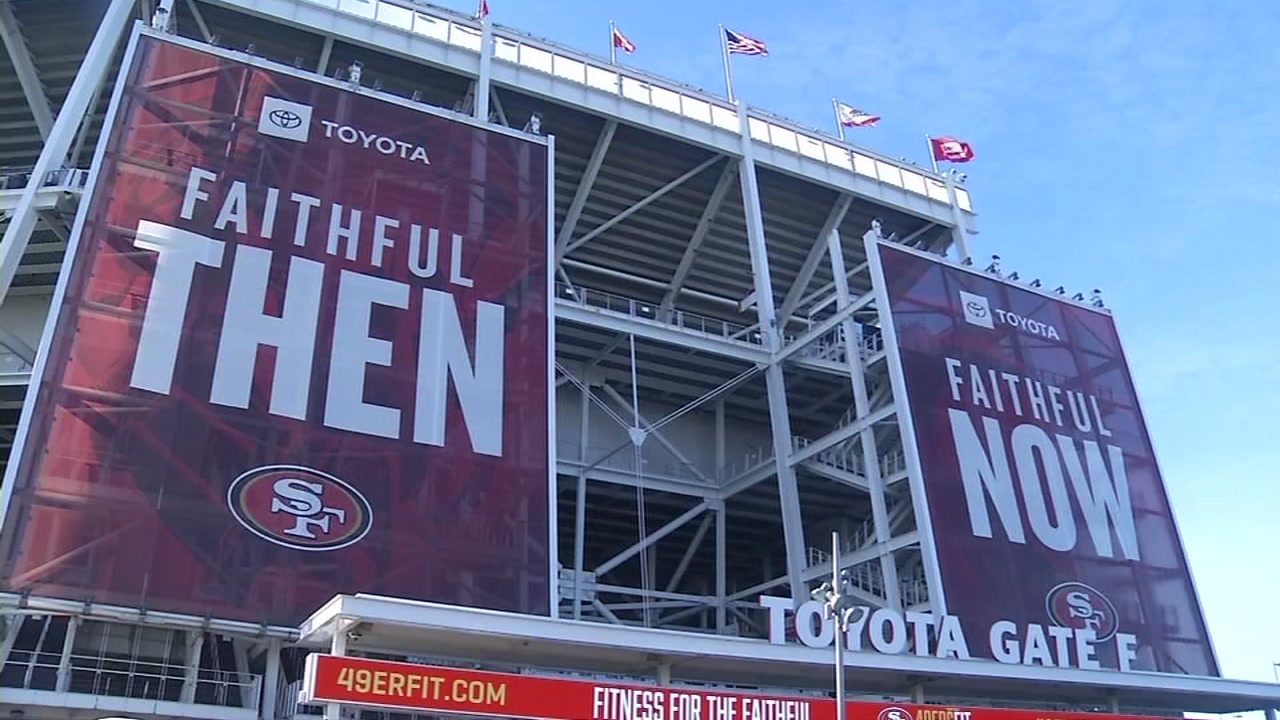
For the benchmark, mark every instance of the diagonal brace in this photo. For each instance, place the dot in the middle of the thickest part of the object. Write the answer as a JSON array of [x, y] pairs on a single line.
[[653, 196]]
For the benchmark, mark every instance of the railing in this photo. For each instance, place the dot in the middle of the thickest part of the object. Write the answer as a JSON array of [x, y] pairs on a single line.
[[624, 460], [16, 178], [691, 322], [867, 576], [104, 676], [16, 356], [525, 51], [830, 346], [752, 459]]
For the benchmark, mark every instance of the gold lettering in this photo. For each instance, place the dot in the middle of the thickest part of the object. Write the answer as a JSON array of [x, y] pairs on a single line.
[[380, 682], [396, 687]]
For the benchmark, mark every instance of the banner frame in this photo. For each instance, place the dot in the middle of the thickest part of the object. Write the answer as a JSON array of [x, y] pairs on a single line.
[[39, 369], [906, 429]]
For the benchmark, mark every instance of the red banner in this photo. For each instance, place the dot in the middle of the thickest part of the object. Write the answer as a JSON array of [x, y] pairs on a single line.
[[302, 349], [438, 689], [1040, 476]]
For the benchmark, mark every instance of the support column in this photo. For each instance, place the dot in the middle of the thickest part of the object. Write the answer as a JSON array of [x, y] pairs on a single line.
[[862, 407], [195, 648], [68, 649], [917, 694], [580, 502], [959, 233], [779, 419], [338, 647], [270, 682], [9, 635], [53, 155], [481, 103], [721, 580]]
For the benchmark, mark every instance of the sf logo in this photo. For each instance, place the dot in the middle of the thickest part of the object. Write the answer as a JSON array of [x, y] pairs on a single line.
[[300, 508], [1080, 607], [305, 502]]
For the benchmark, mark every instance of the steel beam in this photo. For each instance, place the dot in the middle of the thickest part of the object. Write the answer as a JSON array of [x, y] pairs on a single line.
[[775, 382], [849, 559], [208, 37], [661, 332], [862, 409], [588, 181], [838, 436], [650, 539], [641, 204], [75, 109], [699, 236], [823, 327], [650, 429], [28, 78], [689, 554], [960, 229], [721, 562], [191, 661], [484, 82], [813, 259]]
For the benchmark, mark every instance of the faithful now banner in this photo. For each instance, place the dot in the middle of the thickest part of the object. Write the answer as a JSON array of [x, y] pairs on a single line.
[[301, 349], [423, 688], [1045, 501]]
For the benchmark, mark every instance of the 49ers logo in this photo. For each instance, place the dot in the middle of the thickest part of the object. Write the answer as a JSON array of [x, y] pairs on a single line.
[[1080, 607], [300, 508]]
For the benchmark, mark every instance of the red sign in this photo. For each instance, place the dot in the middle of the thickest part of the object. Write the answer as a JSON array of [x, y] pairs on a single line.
[[302, 349], [425, 688], [1040, 476]]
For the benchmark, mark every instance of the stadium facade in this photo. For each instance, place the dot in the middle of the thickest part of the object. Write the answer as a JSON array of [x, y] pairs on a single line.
[[352, 371]]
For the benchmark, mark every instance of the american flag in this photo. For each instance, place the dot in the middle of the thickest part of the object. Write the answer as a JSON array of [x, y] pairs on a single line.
[[739, 43]]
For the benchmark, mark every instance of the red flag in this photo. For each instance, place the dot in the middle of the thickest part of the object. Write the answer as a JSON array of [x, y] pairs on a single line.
[[951, 150], [621, 41], [482, 12]]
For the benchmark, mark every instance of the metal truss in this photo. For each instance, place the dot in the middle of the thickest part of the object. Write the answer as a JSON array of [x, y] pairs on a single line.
[[700, 292]]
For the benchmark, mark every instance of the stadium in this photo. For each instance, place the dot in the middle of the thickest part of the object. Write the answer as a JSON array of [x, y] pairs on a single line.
[[367, 359]]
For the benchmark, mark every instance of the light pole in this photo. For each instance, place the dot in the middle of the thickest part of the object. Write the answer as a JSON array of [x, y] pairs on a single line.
[[837, 604]]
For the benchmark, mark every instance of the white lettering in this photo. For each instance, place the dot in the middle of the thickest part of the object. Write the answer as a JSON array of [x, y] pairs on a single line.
[[245, 327], [179, 251], [354, 350], [193, 193], [777, 608], [1005, 649], [442, 356], [234, 209], [1126, 650], [1029, 441], [985, 475]]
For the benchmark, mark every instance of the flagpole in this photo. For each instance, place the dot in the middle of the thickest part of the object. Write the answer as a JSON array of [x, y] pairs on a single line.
[[728, 71], [932, 158], [613, 43], [835, 106]]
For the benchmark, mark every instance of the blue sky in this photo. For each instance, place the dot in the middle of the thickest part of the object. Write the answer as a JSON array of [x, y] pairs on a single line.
[[1121, 144]]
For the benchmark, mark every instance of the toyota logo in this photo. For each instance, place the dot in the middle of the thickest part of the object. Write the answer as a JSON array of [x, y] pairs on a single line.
[[976, 309], [286, 119]]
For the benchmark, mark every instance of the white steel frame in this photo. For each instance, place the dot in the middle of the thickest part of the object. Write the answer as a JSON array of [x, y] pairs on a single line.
[[830, 345]]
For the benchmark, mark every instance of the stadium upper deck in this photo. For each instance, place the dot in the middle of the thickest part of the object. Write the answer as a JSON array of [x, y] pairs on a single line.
[[658, 241]]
